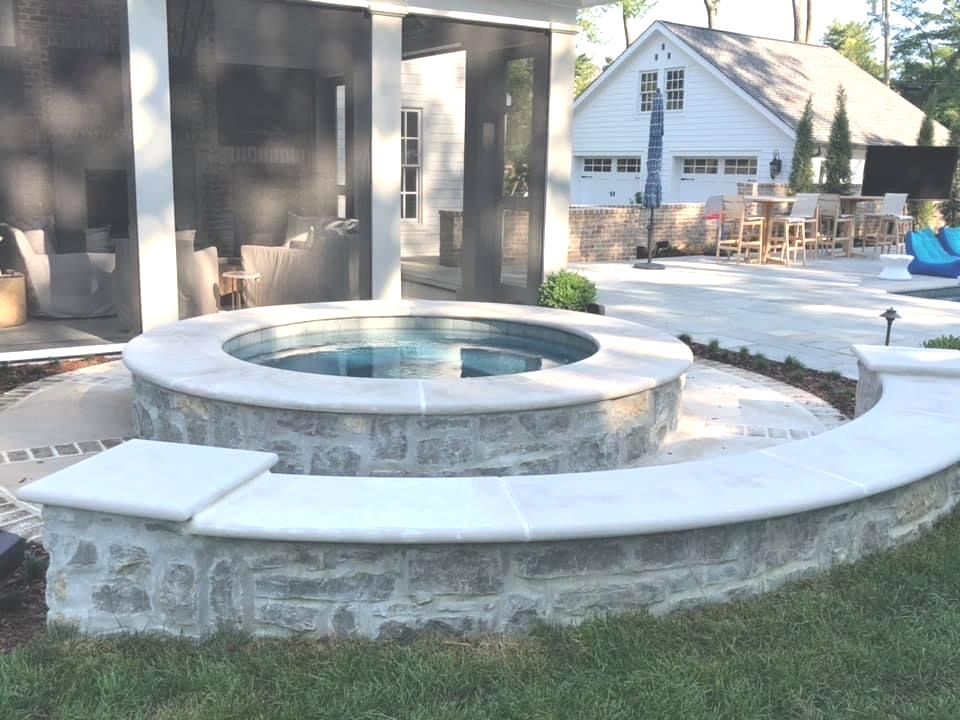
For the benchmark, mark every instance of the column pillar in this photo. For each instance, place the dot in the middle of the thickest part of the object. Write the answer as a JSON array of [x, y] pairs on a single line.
[[153, 161], [556, 221], [386, 49]]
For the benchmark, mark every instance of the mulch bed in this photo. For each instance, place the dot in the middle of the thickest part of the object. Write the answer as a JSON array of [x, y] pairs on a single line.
[[22, 373], [23, 605], [832, 387]]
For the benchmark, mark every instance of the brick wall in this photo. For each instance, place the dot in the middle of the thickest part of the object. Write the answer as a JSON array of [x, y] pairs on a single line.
[[609, 234], [599, 234]]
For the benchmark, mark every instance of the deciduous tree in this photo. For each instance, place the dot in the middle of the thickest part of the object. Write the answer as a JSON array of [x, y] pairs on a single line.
[[712, 7], [855, 42], [586, 73]]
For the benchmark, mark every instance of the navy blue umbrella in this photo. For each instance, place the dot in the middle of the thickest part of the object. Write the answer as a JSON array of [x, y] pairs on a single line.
[[653, 190]]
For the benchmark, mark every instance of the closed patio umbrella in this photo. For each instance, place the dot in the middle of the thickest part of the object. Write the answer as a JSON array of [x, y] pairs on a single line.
[[653, 189]]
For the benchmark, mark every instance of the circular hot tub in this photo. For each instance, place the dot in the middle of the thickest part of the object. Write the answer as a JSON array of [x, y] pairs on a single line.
[[415, 388]]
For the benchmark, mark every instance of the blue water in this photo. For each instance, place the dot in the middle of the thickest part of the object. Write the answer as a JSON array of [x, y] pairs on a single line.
[[419, 353]]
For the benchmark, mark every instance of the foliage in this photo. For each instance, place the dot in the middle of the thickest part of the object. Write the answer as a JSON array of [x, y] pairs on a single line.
[[925, 136], [839, 149], [586, 72], [801, 172], [944, 342], [685, 339], [927, 57], [589, 18], [855, 41], [567, 290]]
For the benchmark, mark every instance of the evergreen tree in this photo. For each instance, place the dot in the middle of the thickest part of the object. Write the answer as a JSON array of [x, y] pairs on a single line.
[[801, 173], [839, 148], [925, 136]]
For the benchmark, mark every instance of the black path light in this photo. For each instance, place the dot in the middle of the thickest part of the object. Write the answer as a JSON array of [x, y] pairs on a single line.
[[889, 315]]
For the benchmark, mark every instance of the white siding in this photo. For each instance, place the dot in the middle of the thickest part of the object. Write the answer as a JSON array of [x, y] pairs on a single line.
[[436, 86], [715, 122]]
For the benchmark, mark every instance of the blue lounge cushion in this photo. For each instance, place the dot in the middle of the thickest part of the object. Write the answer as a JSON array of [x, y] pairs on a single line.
[[950, 239], [929, 256]]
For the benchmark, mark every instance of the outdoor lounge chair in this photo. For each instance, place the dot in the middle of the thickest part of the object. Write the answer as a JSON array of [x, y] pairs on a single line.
[[929, 256], [950, 239]]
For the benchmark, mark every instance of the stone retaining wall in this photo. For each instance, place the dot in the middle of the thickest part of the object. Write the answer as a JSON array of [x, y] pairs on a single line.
[[599, 436], [110, 573]]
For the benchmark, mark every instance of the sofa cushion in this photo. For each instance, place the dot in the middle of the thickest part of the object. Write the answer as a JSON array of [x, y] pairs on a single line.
[[37, 239]]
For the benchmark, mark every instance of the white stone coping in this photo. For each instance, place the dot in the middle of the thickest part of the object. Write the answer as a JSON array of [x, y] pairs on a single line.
[[156, 480], [189, 357], [910, 361], [910, 434]]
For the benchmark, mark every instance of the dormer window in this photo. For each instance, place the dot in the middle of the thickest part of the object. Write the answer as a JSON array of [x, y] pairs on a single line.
[[648, 90]]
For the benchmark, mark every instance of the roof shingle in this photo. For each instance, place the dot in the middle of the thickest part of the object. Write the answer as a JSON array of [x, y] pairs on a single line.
[[781, 75]]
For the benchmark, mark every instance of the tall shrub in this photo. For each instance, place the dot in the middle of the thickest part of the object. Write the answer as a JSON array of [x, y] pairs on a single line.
[[801, 172], [839, 148], [951, 209]]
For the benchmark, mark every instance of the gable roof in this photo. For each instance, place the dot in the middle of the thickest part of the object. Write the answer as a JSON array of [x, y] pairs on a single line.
[[779, 76]]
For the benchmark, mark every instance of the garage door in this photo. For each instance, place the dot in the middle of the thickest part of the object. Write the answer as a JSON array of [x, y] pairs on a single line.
[[697, 178], [607, 180]]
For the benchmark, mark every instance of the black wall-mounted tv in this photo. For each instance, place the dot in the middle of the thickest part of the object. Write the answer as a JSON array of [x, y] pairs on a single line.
[[924, 173], [257, 105]]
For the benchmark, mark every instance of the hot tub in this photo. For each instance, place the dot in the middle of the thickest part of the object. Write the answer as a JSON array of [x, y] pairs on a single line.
[[414, 388]]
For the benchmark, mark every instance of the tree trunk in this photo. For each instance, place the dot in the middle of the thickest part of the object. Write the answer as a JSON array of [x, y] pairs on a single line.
[[886, 42], [711, 12], [796, 20], [808, 31], [626, 27]]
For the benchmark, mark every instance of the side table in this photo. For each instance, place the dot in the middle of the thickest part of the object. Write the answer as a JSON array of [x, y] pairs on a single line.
[[243, 278], [13, 300]]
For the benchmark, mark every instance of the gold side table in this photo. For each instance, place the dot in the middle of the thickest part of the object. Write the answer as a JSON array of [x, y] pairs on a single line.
[[13, 300]]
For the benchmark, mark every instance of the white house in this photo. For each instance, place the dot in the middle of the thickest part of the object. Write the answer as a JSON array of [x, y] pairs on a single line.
[[732, 104]]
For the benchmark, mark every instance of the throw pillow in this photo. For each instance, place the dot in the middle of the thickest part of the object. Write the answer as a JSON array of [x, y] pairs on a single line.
[[298, 229], [98, 240]]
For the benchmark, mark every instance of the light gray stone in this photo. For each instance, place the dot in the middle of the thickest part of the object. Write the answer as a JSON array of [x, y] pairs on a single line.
[[340, 460], [566, 559], [177, 596], [455, 571], [358, 587], [84, 555], [121, 598], [295, 619]]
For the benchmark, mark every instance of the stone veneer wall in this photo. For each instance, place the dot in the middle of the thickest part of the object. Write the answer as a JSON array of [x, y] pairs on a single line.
[[109, 573], [605, 435]]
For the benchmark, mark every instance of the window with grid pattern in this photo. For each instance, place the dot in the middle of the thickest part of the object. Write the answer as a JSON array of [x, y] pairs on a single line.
[[598, 165], [410, 136], [648, 89], [740, 166], [628, 165], [674, 100], [700, 166]]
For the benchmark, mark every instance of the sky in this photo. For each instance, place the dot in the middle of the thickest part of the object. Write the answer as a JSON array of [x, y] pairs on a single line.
[[769, 18]]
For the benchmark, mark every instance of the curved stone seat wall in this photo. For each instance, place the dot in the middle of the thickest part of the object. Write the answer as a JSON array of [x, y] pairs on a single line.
[[185, 539]]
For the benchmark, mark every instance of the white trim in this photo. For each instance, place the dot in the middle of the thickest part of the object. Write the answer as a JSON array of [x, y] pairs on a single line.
[[386, 42], [153, 162], [658, 26], [556, 216]]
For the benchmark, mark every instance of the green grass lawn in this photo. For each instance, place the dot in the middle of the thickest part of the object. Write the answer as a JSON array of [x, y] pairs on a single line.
[[880, 639]]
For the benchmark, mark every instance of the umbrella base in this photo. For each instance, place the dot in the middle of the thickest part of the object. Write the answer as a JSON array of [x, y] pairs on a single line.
[[649, 266]]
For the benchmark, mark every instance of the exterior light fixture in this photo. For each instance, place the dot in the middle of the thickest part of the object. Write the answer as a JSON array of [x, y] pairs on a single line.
[[889, 315], [776, 165]]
